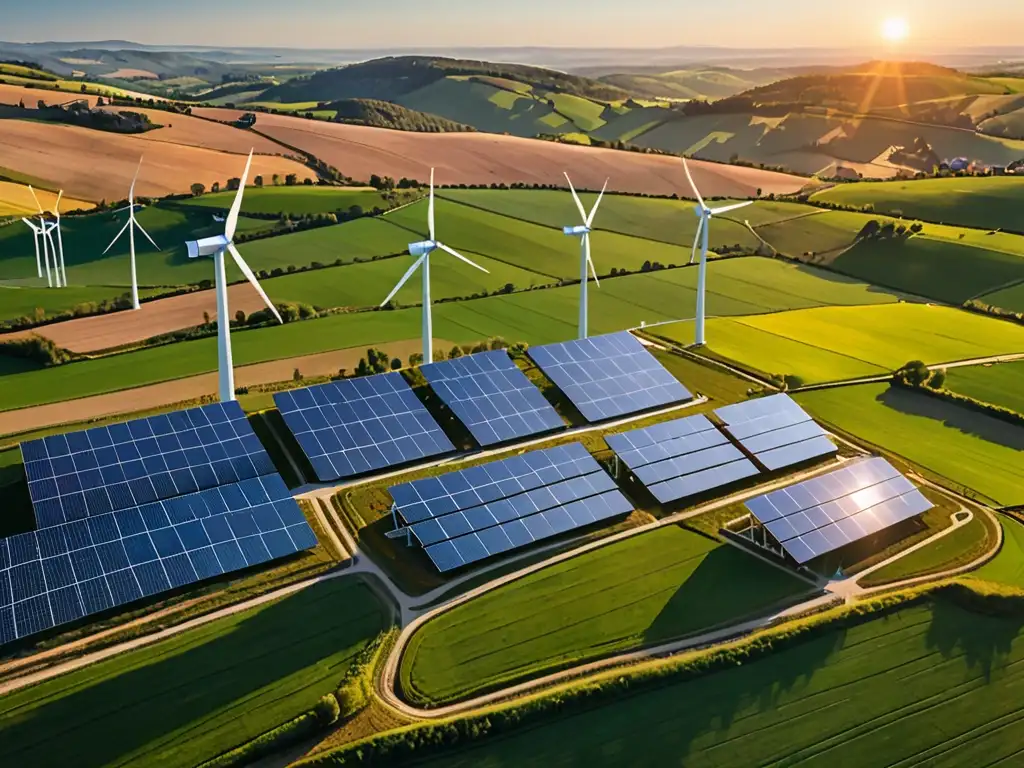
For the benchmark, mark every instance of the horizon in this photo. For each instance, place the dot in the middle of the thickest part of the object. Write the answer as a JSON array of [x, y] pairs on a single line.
[[315, 25]]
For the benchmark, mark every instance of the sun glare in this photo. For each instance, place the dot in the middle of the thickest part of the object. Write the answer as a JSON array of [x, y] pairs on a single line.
[[895, 29]]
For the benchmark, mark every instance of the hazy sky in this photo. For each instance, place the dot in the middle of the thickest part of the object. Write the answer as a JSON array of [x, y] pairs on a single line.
[[578, 23]]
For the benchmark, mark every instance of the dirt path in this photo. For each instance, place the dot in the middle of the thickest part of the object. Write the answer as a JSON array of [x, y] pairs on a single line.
[[180, 390]]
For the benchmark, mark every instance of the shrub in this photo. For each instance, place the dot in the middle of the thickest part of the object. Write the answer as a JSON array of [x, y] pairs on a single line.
[[327, 710]]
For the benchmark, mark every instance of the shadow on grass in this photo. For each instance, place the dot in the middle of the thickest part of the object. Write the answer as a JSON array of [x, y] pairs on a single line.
[[954, 417], [984, 640], [87, 722]]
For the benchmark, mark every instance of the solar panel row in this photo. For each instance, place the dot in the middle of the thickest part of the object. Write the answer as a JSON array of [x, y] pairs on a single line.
[[827, 512], [99, 470], [492, 397], [681, 458], [776, 430], [465, 516], [355, 426], [609, 376], [62, 573]]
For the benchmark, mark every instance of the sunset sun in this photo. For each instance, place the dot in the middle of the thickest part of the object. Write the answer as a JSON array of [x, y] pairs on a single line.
[[895, 29]]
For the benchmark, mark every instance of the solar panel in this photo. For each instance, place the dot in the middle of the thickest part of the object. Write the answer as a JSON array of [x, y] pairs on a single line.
[[359, 425], [830, 511], [776, 430], [492, 397], [62, 573], [609, 376], [82, 474], [475, 513], [681, 458]]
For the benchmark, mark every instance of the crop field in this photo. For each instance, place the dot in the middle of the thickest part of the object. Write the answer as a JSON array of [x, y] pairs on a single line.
[[475, 158], [639, 592], [194, 132], [20, 301], [295, 200], [1007, 567], [839, 343], [1011, 298], [1001, 384], [982, 203], [187, 699], [16, 200], [932, 684], [66, 156], [967, 448]]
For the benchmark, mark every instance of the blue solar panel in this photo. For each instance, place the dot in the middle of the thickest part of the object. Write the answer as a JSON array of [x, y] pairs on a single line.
[[492, 397], [681, 458], [475, 513], [827, 512], [609, 376], [62, 573], [776, 430], [103, 469], [356, 426]]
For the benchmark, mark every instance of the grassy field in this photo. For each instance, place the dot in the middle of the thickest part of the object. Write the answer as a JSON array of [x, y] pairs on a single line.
[[930, 685], [839, 343], [1001, 384], [969, 449], [296, 200], [1011, 298], [1007, 567], [642, 591], [982, 203], [189, 698], [22, 301]]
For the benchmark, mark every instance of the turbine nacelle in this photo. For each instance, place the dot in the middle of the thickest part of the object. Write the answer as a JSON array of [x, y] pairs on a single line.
[[577, 231], [422, 248], [208, 246]]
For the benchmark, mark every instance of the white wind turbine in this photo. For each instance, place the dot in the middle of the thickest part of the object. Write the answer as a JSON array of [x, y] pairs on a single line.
[[583, 232], [37, 235], [704, 214], [44, 232], [217, 246], [130, 225], [422, 251], [58, 258]]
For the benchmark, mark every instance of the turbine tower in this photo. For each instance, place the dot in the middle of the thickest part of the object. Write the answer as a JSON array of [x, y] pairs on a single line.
[[422, 251], [58, 258], [44, 233], [217, 246], [704, 214], [130, 225], [583, 232], [36, 235]]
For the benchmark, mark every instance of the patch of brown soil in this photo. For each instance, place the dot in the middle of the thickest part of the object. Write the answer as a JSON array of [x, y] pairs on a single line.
[[483, 158], [193, 132]]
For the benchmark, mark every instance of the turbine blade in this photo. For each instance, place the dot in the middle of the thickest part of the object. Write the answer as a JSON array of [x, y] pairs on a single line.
[[727, 208], [252, 279], [590, 261], [696, 238], [131, 192], [458, 255], [579, 204], [40, 207], [33, 226], [118, 235], [694, 186], [56, 208], [143, 231], [405, 278], [593, 211], [236, 207], [430, 209]]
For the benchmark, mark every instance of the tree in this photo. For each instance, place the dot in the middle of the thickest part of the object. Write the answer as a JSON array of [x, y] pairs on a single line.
[[376, 182], [915, 373], [355, 211], [206, 318], [416, 358], [258, 181], [198, 189], [455, 352], [327, 710], [240, 317], [938, 379], [342, 373], [234, 183], [84, 89], [276, 179], [351, 698], [291, 180], [215, 187], [296, 375], [396, 363], [870, 229], [308, 181]]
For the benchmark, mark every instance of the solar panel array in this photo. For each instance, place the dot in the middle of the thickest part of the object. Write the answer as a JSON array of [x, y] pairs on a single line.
[[103, 469], [359, 425], [681, 458], [609, 376], [830, 511], [776, 430], [466, 516], [492, 397]]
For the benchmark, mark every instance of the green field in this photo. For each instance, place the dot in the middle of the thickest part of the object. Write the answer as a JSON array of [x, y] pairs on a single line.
[[296, 200], [967, 448], [1011, 298], [1001, 384], [21, 301], [931, 685], [642, 591], [839, 343], [981, 202], [189, 698], [1007, 567]]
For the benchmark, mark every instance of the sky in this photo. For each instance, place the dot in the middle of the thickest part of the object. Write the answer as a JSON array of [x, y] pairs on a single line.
[[935, 24]]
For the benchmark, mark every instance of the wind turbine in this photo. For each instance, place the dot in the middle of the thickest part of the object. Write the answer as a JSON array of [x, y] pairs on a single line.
[[583, 232], [422, 251], [44, 233], [36, 234], [704, 214], [217, 246], [58, 258], [130, 225]]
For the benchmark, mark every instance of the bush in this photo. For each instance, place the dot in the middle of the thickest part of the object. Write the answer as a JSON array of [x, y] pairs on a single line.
[[36, 348], [327, 710]]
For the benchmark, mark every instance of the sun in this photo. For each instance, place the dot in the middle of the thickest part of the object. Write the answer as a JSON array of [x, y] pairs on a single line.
[[895, 29]]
